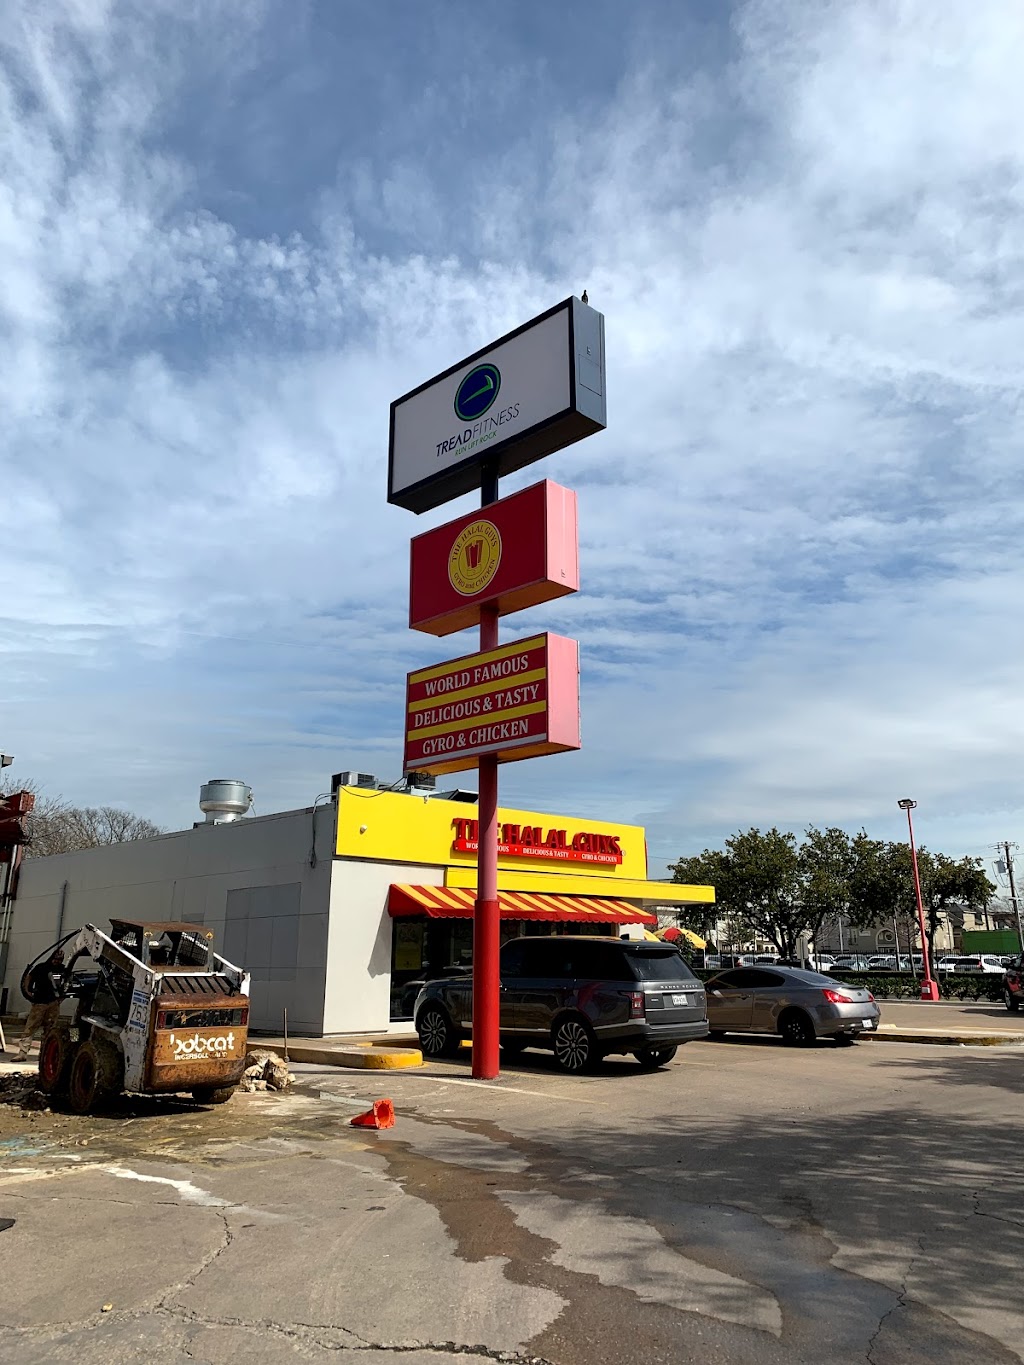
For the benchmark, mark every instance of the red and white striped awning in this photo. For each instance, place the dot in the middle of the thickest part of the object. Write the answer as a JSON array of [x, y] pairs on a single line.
[[449, 902]]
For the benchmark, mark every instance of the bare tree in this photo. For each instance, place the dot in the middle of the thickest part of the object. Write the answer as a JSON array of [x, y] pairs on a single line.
[[55, 826]]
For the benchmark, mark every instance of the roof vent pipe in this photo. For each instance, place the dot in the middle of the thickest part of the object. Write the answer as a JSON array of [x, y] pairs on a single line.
[[224, 800]]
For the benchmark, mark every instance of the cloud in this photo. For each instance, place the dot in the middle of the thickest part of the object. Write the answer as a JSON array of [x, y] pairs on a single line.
[[801, 531]]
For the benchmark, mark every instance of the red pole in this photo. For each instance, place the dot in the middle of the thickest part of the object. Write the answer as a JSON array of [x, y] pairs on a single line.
[[929, 987], [486, 915], [486, 929]]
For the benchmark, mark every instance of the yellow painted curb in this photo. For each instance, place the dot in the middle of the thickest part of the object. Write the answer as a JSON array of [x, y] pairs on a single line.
[[364, 1056], [893, 1034], [378, 1057]]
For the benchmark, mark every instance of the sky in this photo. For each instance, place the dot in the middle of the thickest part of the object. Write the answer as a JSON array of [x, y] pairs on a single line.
[[232, 232]]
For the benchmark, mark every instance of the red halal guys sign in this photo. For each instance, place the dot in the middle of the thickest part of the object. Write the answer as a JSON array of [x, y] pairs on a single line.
[[534, 841], [512, 554]]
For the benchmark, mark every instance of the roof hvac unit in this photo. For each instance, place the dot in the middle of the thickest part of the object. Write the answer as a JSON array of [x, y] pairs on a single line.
[[350, 779]]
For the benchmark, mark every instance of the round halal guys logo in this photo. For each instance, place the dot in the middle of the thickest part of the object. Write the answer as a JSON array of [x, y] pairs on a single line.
[[477, 392], [474, 558]]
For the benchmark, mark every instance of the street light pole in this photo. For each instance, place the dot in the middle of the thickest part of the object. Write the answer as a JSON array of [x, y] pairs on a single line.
[[929, 987]]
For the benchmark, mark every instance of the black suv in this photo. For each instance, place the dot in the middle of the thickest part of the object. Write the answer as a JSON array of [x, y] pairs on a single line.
[[581, 997]]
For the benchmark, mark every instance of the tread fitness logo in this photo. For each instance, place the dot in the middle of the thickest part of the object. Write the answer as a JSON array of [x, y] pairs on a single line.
[[474, 558], [477, 392]]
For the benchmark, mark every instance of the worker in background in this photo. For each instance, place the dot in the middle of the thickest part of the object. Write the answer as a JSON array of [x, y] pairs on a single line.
[[44, 991]]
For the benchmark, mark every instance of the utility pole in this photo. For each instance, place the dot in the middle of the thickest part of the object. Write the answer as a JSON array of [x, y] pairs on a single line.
[[1013, 890]]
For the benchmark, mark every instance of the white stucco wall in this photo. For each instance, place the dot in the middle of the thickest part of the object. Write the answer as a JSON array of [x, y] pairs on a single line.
[[188, 876], [358, 994]]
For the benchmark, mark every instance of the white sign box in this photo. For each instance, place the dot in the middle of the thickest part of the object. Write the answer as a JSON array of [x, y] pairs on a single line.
[[526, 395]]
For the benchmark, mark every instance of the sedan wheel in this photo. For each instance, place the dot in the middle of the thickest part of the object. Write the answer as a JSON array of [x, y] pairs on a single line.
[[574, 1046], [1010, 1001], [796, 1029]]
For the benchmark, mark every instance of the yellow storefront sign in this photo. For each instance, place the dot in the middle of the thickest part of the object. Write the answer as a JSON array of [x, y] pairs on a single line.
[[584, 857]]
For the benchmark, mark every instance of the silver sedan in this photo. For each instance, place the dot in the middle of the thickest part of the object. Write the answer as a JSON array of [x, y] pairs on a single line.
[[799, 1005]]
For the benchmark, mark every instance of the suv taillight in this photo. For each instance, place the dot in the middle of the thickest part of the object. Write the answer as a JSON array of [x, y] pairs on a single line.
[[636, 1005]]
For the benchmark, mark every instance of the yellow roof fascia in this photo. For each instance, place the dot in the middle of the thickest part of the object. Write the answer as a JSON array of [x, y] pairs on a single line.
[[559, 884]]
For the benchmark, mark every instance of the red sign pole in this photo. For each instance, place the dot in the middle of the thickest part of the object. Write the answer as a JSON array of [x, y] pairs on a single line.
[[486, 915]]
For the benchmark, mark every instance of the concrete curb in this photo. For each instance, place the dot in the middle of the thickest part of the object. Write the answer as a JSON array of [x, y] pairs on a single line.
[[357, 1056], [963, 1038]]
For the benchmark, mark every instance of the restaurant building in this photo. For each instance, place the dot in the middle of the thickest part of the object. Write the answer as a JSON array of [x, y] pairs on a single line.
[[341, 909]]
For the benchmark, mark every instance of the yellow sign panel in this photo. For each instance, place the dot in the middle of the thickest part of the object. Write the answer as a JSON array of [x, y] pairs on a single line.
[[400, 828]]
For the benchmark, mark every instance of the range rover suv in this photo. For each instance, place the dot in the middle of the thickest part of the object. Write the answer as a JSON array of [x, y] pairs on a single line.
[[582, 998]]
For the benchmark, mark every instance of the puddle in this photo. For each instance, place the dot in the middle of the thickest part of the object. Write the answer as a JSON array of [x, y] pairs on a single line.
[[20, 1148]]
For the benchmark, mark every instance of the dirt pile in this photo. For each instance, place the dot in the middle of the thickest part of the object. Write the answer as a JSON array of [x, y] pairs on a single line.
[[21, 1088]]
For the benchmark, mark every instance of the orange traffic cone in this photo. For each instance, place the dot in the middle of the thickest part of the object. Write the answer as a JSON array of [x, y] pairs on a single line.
[[382, 1115]]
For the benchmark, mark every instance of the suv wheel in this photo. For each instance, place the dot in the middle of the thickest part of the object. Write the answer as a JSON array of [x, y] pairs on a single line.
[[437, 1033], [1010, 1000], [650, 1058], [574, 1046]]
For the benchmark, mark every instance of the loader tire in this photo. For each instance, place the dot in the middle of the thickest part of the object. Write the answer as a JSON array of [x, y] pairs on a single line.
[[56, 1054], [209, 1094], [97, 1076]]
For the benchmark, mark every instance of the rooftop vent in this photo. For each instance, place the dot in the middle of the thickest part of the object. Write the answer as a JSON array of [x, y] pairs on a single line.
[[224, 800]]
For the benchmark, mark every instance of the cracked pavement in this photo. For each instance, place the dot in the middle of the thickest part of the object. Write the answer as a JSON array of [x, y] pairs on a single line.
[[751, 1203]]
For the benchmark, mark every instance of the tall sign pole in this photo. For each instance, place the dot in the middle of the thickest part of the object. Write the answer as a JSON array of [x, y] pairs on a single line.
[[486, 911], [929, 986], [532, 392]]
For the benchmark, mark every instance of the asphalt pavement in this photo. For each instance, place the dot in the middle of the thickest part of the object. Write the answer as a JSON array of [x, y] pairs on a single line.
[[750, 1203]]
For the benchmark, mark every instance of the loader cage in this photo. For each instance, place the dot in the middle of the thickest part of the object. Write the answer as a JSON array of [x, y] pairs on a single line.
[[165, 944]]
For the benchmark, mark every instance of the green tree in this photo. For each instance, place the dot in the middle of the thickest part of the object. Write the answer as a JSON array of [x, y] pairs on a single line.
[[884, 887], [705, 869], [758, 884]]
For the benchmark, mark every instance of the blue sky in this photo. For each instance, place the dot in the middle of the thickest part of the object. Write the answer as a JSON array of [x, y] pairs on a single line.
[[231, 233]]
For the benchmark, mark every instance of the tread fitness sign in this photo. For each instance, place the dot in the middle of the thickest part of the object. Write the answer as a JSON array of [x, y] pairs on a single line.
[[518, 701], [526, 395]]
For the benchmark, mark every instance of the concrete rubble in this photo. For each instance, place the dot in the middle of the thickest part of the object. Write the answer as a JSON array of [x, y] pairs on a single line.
[[264, 1071]]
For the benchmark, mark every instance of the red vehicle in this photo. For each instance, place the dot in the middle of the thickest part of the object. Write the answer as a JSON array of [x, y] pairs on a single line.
[[1013, 985]]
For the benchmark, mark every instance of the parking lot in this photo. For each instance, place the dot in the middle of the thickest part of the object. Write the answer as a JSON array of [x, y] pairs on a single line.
[[749, 1203]]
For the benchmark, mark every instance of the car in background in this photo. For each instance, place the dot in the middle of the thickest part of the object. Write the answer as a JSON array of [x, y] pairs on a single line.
[[977, 964], [851, 962], [580, 997], [889, 962], [1013, 984], [719, 961], [798, 1005]]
